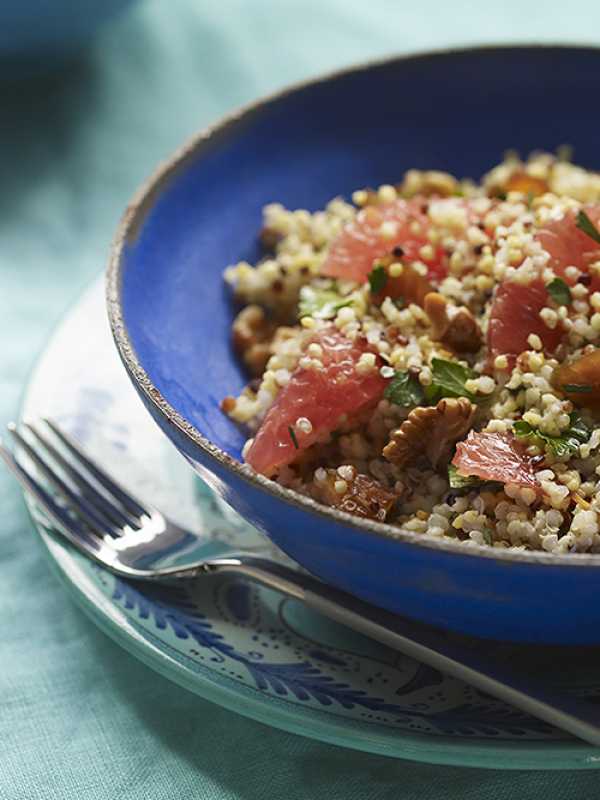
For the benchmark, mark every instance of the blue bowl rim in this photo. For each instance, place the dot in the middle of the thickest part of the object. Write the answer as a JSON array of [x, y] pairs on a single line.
[[130, 226]]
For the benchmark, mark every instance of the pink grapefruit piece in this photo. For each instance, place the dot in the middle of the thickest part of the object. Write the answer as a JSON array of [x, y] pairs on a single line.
[[324, 397]]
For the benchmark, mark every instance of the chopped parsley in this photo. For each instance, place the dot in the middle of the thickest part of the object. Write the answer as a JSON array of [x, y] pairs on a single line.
[[378, 278], [487, 536], [321, 303], [459, 481], [559, 292], [576, 388], [404, 390], [448, 379], [585, 224], [567, 444], [293, 436]]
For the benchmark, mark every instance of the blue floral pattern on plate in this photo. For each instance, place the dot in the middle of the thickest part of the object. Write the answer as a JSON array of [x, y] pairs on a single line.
[[245, 646]]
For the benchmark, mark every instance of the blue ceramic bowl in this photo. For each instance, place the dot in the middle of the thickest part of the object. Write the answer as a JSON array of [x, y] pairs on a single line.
[[171, 314]]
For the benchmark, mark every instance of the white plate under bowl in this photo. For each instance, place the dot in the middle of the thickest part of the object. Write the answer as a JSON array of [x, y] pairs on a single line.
[[248, 648]]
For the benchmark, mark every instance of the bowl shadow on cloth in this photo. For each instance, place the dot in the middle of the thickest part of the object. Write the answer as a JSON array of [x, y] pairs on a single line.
[[42, 114]]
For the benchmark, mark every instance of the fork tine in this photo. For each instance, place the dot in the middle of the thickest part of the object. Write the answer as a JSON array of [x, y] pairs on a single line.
[[60, 521], [101, 502], [126, 499], [98, 524]]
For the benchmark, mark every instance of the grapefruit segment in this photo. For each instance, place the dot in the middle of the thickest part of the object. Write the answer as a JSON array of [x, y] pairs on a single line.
[[570, 246], [495, 457], [515, 314], [324, 397], [375, 232]]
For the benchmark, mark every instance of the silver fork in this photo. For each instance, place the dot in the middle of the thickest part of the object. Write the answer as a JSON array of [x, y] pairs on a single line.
[[106, 522]]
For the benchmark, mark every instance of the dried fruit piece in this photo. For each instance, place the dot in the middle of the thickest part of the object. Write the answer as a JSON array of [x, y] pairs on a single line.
[[430, 431], [455, 326], [580, 380], [495, 457], [360, 495], [409, 286]]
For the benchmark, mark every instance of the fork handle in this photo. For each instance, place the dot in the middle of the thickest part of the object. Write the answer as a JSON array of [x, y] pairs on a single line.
[[427, 645]]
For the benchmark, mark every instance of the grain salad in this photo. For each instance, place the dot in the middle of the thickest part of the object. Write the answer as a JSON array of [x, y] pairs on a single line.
[[428, 354]]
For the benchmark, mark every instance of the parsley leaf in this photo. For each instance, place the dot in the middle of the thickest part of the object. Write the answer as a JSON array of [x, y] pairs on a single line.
[[487, 536], [404, 390], [559, 292], [292, 433], [458, 481], [522, 428], [578, 428], [377, 278], [576, 388], [320, 303], [585, 224], [448, 379], [567, 444]]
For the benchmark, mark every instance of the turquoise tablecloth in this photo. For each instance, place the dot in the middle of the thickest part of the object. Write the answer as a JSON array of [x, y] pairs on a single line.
[[79, 718]]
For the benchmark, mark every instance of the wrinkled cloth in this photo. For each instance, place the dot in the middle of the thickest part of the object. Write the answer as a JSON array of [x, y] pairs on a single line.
[[79, 717]]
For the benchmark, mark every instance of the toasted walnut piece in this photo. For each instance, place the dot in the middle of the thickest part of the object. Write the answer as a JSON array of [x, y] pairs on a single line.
[[455, 326], [428, 182], [526, 184], [269, 238], [252, 333], [362, 496], [430, 432]]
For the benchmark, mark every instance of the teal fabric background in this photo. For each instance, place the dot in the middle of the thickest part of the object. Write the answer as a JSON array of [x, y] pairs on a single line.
[[79, 718]]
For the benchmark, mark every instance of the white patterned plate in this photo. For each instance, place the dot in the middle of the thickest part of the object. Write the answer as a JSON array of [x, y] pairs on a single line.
[[241, 646]]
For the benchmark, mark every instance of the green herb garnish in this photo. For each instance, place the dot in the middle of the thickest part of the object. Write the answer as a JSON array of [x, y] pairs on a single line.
[[487, 536], [377, 278], [567, 444], [320, 303], [293, 436], [458, 481], [522, 428], [576, 388], [585, 224], [404, 390], [559, 292], [501, 195], [448, 379]]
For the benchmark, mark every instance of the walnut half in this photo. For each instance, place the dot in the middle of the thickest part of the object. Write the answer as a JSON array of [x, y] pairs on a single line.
[[455, 326], [431, 432]]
